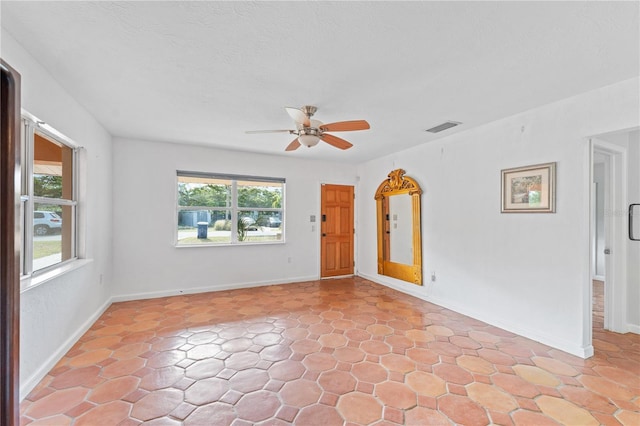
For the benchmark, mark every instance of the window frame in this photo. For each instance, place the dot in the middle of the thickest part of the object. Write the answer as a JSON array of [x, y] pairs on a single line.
[[30, 126], [233, 208]]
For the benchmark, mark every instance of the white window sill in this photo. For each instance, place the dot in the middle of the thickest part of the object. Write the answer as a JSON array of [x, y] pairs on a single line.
[[266, 243], [40, 277]]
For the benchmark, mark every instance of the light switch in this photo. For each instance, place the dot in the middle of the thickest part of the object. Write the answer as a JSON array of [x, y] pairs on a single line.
[[312, 218]]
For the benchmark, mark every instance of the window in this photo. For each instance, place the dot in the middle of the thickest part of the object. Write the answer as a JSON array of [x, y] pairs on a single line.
[[229, 209], [49, 197]]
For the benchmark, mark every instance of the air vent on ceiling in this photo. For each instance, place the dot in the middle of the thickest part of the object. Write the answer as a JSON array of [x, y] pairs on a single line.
[[444, 126]]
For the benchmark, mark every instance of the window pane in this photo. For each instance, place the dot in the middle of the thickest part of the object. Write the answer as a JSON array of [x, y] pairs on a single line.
[[52, 169], [203, 192], [259, 226], [52, 236], [260, 195], [204, 227], [228, 209]]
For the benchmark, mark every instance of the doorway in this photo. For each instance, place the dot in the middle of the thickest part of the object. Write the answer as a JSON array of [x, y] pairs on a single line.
[[336, 230], [608, 269]]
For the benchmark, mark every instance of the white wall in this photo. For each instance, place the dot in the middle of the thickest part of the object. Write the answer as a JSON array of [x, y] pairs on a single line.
[[147, 263], [56, 313], [528, 273]]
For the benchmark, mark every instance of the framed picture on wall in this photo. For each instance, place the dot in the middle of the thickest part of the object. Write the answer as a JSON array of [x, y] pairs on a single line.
[[529, 189]]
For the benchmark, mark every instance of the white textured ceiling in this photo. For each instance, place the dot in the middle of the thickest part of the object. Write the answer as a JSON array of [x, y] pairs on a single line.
[[204, 72]]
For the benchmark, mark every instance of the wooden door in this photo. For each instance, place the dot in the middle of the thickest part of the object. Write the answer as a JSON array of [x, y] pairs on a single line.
[[336, 247], [9, 246]]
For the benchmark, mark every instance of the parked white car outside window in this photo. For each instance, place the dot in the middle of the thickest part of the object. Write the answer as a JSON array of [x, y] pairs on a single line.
[[46, 222]]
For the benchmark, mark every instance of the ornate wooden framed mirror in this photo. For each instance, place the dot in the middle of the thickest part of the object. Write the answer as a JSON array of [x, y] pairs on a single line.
[[399, 230]]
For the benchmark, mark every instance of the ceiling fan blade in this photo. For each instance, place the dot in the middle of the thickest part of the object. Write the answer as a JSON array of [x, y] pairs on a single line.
[[345, 126], [268, 131], [298, 116], [336, 141], [295, 144]]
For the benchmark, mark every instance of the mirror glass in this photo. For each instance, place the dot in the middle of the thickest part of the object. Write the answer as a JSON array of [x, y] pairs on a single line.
[[399, 239], [400, 230]]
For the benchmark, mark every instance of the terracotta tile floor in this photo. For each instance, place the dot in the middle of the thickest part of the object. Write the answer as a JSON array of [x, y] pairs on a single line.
[[339, 352]]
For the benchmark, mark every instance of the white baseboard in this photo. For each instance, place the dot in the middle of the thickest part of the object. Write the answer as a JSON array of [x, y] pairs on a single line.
[[39, 374], [194, 290], [633, 328], [588, 352], [537, 335], [598, 277]]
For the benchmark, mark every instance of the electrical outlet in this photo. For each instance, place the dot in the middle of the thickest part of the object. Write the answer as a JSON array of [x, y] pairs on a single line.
[[433, 276]]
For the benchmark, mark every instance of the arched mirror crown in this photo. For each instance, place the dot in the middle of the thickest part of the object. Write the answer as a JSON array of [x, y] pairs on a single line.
[[397, 184], [399, 236]]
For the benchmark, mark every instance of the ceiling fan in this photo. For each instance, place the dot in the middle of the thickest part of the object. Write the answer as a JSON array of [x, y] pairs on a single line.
[[309, 132]]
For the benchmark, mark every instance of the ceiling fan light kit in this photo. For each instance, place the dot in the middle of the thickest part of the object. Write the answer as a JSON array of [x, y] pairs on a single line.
[[310, 132], [309, 140]]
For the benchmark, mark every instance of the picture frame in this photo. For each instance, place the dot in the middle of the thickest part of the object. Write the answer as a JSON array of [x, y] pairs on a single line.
[[529, 189]]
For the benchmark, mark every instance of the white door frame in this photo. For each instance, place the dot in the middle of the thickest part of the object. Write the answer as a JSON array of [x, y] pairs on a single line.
[[596, 188], [615, 310]]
